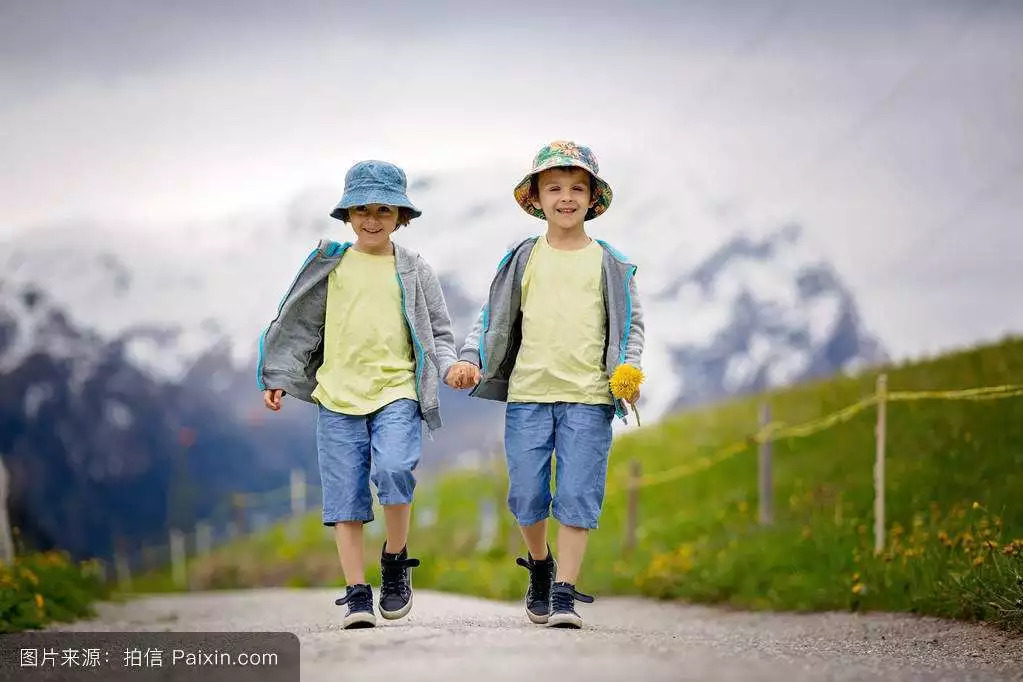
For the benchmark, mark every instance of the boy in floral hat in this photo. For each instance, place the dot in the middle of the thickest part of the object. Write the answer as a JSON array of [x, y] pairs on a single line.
[[562, 315], [364, 333]]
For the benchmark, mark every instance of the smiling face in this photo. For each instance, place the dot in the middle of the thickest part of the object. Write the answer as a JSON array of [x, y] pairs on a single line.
[[564, 195], [373, 225]]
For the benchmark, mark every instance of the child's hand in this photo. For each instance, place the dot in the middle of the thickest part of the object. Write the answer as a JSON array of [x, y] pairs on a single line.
[[272, 398], [462, 375]]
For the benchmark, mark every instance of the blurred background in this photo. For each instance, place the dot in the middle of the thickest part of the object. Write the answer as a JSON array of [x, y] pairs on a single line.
[[808, 188]]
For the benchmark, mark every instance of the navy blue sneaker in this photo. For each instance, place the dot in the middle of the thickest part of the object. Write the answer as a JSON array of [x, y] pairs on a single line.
[[538, 594], [359, 599], [563, 615], [396, 583]]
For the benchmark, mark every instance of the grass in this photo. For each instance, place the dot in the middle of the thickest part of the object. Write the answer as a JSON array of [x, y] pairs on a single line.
[[39, 588], [954, 518]]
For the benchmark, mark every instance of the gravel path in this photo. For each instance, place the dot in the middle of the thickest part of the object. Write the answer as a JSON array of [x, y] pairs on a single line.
[[449, 637]]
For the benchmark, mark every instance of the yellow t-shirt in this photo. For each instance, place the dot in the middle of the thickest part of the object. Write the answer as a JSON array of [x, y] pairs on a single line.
[[367, 350], [563, 328]]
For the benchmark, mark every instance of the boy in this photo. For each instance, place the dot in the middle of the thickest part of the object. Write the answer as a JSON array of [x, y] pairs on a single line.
[[562, 315], [364, 333]]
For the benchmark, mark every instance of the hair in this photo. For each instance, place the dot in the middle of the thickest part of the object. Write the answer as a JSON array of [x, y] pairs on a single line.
[[404, 216], [534, 186]]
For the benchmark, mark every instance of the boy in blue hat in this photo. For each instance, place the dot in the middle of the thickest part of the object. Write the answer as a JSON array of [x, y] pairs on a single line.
[[561, 316], [364, 333]]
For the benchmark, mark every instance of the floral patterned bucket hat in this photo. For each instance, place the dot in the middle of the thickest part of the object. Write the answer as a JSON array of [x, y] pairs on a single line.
[[564, 153]]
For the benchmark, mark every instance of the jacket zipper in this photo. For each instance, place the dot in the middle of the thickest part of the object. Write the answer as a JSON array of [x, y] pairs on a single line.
[[412, 334], [620, 404]]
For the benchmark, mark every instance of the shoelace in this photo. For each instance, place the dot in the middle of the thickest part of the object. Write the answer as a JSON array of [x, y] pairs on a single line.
[[357, 600], [392, 574], [539, 577], [564, 595]]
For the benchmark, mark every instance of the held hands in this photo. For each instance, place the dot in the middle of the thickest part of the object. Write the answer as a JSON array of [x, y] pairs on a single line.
[[272, 398], [462, 375]]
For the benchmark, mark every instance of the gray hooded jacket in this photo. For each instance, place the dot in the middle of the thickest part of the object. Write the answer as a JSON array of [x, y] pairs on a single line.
[[493, 344], [291, 348]]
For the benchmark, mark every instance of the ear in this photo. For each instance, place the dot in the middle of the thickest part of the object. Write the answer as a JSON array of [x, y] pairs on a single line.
[[536, 204]]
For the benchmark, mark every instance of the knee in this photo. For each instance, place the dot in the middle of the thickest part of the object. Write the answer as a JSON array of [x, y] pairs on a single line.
[[395, 484]]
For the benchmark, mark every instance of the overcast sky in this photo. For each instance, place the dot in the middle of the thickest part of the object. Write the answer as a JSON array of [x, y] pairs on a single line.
[[890, 130]]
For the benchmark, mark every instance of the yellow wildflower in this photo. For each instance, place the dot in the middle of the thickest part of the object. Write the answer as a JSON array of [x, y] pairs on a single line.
[[857, 588], [40, 602], [976, 505], [625, 385], [979, 560]]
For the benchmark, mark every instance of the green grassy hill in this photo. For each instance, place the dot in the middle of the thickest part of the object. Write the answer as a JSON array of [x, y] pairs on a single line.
[[954, 501]]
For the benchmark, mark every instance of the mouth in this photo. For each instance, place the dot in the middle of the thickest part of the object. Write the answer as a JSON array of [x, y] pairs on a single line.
[[567, 211], [368, 231]]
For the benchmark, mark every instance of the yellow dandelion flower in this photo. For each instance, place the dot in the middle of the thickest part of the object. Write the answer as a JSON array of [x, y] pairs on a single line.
[[856, 577], [979, 560], [625, 385], [857, 588], [40, 602], [976, 505]]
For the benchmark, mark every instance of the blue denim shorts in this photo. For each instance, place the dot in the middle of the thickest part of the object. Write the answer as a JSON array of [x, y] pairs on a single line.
[[579, 436], [382, 446]]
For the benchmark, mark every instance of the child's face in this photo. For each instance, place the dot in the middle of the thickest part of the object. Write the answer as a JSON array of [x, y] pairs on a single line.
[[373, 224], [564, 196]]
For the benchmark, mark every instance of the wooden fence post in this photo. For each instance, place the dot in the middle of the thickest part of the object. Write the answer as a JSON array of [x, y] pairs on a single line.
[[238, 502], [879, 464], [765, 484], [298, 493], [177, 555], [6, 541], [488, 525], [122, 567], [632, 517], [203, 538]]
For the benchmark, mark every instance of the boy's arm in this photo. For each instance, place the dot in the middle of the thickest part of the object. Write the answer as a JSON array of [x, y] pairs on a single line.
[[471, 348], [440, 320], [634, 349]]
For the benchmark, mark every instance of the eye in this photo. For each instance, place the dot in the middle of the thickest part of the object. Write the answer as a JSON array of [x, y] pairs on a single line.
[[359, 209], [384, 210], [579, 188], [553, 188]]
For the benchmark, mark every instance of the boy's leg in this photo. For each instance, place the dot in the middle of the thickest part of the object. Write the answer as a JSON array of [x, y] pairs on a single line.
[[571, 548], [535, 536], [342, 443], [528, 444], [348, 537], [582, 443], [397, 518], [395, 443]]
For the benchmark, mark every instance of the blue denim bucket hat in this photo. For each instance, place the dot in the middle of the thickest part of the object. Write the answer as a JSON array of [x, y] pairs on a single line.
[[374, 182]]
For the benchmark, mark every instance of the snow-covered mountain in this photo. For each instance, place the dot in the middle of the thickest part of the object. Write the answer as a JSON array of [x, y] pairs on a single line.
[[726, 312]]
